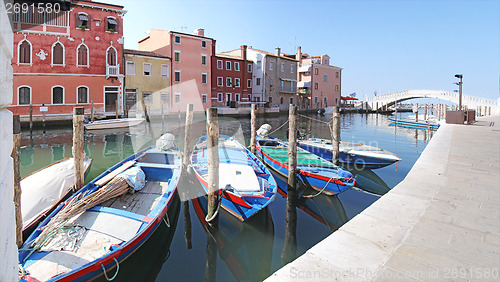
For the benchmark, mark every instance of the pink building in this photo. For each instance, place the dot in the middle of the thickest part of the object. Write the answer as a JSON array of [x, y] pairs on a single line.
[[319, 83], [191, 65]]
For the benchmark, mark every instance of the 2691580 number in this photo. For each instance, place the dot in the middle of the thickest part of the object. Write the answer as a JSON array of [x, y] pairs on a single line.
[[40, 8]]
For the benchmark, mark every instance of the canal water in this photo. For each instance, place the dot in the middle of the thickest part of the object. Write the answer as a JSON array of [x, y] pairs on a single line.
[[188, 250]]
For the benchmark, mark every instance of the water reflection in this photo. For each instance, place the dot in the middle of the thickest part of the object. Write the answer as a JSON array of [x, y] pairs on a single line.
[[368, 180]]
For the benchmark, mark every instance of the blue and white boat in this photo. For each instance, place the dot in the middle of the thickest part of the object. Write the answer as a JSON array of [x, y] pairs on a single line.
[[430, 124], [96, 240], [322, 175], [360, 155], [246, 185]]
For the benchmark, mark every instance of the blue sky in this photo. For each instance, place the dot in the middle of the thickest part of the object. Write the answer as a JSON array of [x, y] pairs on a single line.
[[382, 46]]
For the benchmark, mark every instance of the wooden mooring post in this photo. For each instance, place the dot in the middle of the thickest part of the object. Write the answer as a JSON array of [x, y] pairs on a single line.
[[416, 113], [253, 127], [116, 108], [78, 154], [31, 120], [92, 110], [336, 135], [187, 135], [292, 147], [17, 178], [425, 111], [213, 165]]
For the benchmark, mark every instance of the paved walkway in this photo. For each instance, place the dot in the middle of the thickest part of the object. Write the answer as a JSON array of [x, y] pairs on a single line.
[[442, 222]]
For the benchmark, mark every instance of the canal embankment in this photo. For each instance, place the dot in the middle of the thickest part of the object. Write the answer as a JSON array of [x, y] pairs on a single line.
[[442, 222]]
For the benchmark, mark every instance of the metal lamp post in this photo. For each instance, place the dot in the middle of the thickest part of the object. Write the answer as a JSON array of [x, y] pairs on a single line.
[[460, 76]]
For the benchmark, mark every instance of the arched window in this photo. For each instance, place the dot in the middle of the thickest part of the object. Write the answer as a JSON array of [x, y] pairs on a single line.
[[111, 56], [24, 93], [24, 52], [82, 94], [57, 95], [57, 54], [83, 55]]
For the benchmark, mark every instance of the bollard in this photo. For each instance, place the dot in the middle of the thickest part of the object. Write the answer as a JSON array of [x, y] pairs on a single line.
[[213, 165], [187, 135], [253, 126], [78, 116], [17, 178], [336, 135]]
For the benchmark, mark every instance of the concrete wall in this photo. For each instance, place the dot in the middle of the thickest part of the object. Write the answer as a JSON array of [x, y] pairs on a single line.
[[8, 249]]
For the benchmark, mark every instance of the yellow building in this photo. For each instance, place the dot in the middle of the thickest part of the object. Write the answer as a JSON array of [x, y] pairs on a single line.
[[147, 78]]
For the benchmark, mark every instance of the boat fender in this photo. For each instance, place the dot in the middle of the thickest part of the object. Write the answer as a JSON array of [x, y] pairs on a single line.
[[166, 142], [263, 130]]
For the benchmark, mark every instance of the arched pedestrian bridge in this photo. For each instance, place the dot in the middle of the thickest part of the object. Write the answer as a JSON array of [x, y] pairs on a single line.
[[472, 102]]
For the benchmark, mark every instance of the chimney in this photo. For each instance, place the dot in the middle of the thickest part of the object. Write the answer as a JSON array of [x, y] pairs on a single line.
[[298, 57], [199, 32], [243, 49], [277, 51], [213, 47]]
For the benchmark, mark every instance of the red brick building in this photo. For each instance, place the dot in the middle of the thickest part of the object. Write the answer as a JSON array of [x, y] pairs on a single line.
[[67, 59], [231, 79]]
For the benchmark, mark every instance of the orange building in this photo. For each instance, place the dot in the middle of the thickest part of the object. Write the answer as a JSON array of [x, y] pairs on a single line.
[[191, 65], [68, 58]]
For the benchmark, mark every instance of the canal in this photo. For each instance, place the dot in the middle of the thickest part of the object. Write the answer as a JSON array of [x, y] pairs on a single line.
[[187, 249]]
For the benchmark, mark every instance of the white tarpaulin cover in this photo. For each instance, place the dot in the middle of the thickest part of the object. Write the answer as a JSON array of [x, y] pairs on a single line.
[[43, 189]]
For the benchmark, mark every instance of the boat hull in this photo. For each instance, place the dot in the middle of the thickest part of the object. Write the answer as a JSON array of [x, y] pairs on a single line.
[[414, 124], [113, 123]]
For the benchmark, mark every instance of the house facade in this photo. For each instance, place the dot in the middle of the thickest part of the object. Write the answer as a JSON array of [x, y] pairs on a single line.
[[191, 65], [147, 80], [319, 83], [231, 79], [68, 59]]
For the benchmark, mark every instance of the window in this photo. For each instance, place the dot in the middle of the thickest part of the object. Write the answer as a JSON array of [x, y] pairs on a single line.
[[325, 100], [111, 56], [204, 60], [336, 101], [147, 97], [164, 70], [249, 83], [236, 82], [57, 95], [257, 82], [204, 98], [228, 81], [24, 56], [130, 68], [270, 100], [292, 88], [219, 97], [270, 82], [325, 61], [219, 64], [228, 97], [291, 69], [177, 56], [111, 24], [165, 97], [220, 81], [236, 66], [177, 39], [337, 87], [203, 44], [177, 76], [282, 67], [146, 69], [83, 21], [291, 100], [281, 100], [24, 95], [271, 65], [337, 74], [282, 85], [249, 67], [325, 78], [315, 99], [237, 97], [83, 56], [259, 64], [82, 93], [204, 78], [315, 71], [57, 54], [228, 65], [177, 97], [315, 85]]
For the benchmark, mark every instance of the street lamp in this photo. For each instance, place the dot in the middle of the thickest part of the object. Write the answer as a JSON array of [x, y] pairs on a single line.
[[460, 76]]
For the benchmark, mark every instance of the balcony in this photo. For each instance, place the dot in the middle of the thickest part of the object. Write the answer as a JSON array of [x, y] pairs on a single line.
[[112, 70], [304, 91], [287, 89]]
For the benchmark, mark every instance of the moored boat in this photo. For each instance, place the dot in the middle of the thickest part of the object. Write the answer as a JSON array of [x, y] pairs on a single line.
[[411, 123], [363, 156], [44, 189], [86, 245], [245, 184], [322, 175], [113, 123]]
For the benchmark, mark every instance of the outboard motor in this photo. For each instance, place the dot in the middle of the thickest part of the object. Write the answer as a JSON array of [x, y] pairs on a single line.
[[263, 131], [165, 142]]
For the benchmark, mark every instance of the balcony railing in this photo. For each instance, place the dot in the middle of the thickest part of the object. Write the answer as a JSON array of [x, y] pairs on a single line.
[[112, 70], [287, 89]]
